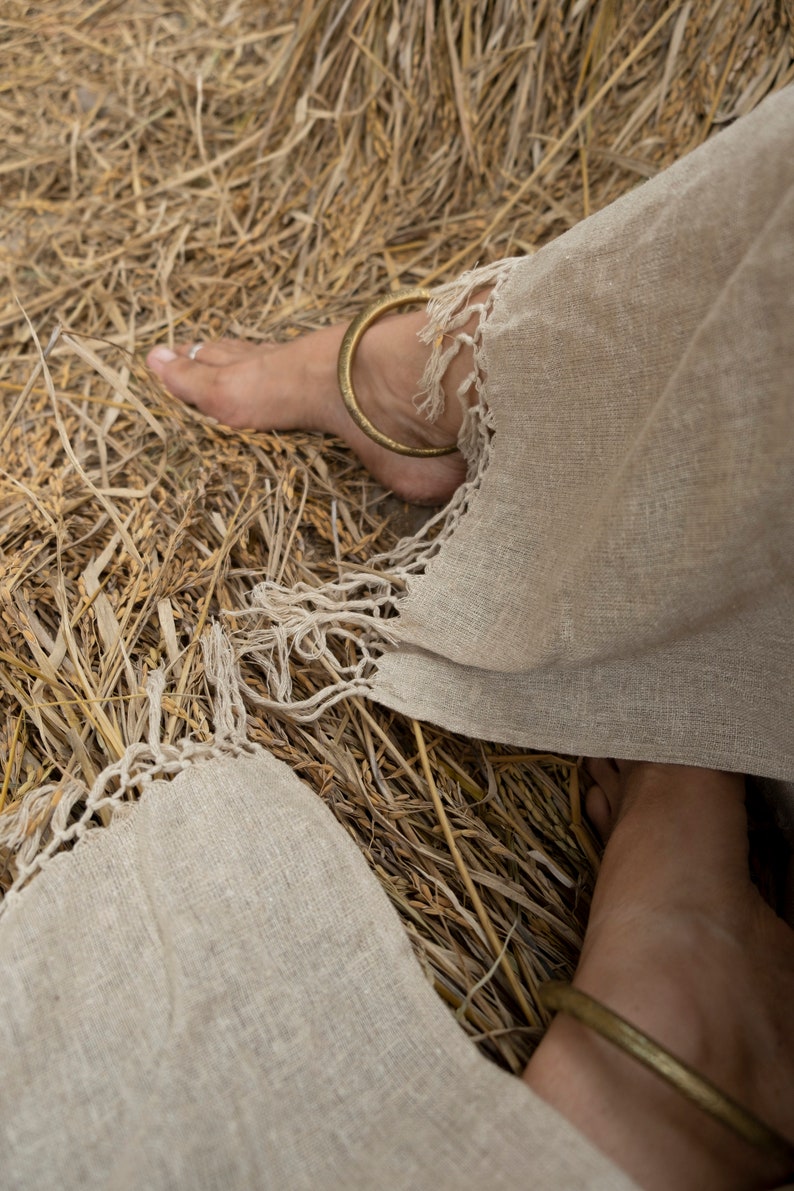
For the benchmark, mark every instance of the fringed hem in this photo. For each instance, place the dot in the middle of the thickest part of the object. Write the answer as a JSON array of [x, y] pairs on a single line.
[[357, 616], [52, 817], [359, 613], [449, 311]]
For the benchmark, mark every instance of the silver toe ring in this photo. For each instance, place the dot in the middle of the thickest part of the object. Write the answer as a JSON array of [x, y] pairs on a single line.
[[194, 351]]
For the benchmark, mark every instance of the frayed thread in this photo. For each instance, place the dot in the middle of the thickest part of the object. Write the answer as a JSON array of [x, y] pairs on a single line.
[[449, 311], [54, 816], [346, 625], [356, 617]]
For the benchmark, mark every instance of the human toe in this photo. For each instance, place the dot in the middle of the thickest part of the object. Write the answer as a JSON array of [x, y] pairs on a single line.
[[194, 381], [604, 794], [160, 356]]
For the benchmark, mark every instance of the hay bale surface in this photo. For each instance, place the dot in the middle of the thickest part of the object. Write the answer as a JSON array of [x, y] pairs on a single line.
[[233, 167]]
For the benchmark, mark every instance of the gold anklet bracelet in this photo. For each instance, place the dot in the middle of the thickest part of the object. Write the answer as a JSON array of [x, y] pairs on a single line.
[[344, 369], [560, 997]]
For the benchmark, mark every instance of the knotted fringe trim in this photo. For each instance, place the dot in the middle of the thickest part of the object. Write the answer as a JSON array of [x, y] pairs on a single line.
[[357, 616], [354, 618], [52, 816]]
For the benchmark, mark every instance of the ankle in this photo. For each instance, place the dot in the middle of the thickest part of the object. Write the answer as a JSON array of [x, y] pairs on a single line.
[[647, 1128], [681, 946], [390, 365]]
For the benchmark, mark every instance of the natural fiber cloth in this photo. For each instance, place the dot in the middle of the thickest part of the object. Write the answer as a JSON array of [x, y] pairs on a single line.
[[215, 993], [621, 584]]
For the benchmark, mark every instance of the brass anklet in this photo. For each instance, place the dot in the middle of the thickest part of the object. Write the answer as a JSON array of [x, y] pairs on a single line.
[[558, 996], [347, 352]]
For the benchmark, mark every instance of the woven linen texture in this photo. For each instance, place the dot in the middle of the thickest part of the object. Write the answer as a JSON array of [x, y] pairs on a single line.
[[621, 584], [215, 992]]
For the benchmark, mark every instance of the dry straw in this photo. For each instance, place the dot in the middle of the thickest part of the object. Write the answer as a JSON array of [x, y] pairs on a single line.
[[172, 172]]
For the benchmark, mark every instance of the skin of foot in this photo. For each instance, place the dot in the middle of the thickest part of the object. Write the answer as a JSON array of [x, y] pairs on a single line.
[[679, 941], [680, 944], [294, 385]]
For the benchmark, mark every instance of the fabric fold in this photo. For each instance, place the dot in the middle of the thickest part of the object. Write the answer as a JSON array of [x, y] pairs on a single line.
[[231, 1002], [621, 583]]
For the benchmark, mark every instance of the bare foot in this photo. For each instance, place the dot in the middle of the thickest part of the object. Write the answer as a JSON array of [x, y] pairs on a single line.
[[293, 386], [681, 944]]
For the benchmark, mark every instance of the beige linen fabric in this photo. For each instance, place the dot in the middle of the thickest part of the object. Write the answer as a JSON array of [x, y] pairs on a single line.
[[621, 584], [216, 993]]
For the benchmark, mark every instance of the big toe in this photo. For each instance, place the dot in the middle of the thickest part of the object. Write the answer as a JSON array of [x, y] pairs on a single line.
[[604, 795], [192, 381], [159, 358], [599, 812]]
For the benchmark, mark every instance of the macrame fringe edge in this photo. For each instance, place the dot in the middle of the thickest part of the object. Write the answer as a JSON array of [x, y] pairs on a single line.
[[284, 628]]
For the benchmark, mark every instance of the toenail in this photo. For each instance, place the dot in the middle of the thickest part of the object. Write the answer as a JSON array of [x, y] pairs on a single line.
[[163, 355]]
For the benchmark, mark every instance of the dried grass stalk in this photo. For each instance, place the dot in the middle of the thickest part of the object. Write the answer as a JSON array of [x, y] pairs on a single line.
[[238, 168]]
